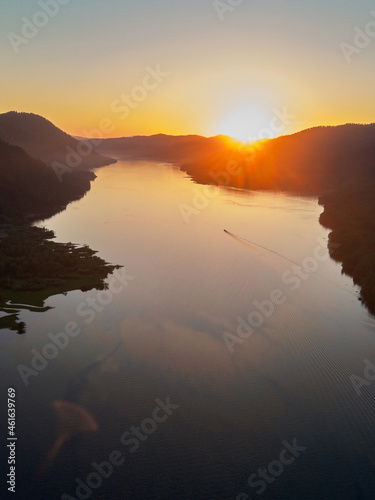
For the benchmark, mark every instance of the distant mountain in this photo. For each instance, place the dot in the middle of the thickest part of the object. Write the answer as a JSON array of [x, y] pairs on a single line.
[[310, 161], [44, 141], [161, 147], [29, 190]]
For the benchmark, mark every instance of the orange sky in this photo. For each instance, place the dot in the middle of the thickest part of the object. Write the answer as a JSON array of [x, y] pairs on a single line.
[[87, 67]]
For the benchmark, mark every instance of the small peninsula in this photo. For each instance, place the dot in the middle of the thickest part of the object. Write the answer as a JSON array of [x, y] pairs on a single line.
[[32, 266]]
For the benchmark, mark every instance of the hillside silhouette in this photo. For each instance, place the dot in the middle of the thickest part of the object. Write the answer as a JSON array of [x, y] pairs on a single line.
[[44, 141], [29, 190], [310, 161]]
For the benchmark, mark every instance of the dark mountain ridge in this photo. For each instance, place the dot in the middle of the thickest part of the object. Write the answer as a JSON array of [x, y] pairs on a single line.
[[42, 140], [30, 190], [313, 160]]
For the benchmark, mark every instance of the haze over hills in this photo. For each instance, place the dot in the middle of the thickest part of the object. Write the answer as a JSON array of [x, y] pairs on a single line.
[[313, 160], [44, 141], [161, 147]]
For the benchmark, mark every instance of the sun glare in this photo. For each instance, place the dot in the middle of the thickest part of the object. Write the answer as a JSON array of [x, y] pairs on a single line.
[[246, 124]]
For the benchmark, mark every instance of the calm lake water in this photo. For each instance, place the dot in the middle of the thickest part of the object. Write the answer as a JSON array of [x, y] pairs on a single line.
[[165, 337]]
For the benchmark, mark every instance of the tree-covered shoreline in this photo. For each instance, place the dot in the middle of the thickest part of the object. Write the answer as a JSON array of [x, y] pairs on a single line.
[[349, 213], [32, 266]]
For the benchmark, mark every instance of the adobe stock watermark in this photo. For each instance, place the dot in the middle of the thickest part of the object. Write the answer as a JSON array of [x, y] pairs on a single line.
[[365, 381], [203, 195], [222, 7], [86, 310], [362, 39], [268, 475], [264, 309], [132, 439], [121, 106], [31, 27], [278, 124]]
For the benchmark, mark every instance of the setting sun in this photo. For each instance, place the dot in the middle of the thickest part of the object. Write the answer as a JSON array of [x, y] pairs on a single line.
[[245, 123]]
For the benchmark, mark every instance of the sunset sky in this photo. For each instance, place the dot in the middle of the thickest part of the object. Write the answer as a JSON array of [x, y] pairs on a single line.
[[227, 69]]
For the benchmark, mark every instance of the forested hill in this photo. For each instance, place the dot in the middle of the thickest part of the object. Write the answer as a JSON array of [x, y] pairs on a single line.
[[29, 189], [44, 141], [313, 160]]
